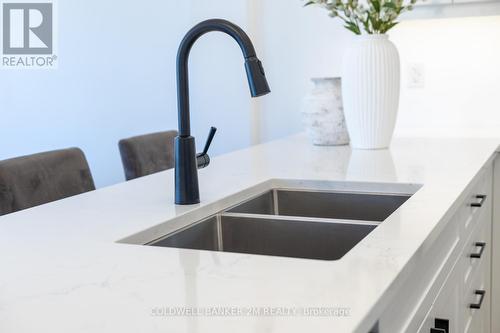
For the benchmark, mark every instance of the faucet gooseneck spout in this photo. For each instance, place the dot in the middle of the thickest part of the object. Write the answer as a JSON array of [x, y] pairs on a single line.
[[187, 162]]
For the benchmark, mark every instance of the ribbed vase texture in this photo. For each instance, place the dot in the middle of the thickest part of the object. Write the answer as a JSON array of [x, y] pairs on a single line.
[[370, 89]]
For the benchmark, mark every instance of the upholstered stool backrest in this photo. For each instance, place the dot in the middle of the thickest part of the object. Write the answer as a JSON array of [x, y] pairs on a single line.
[[147, 154], [37, 179]]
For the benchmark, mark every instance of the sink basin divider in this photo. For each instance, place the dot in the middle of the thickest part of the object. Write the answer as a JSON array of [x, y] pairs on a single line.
[[220, 242], [276, 202], [297, 218]]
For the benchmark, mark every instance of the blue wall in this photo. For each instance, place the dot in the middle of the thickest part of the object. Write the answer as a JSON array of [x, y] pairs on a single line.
[[116, 78]]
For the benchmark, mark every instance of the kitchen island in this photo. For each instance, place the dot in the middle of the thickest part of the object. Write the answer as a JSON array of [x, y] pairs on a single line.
[[78, 265]]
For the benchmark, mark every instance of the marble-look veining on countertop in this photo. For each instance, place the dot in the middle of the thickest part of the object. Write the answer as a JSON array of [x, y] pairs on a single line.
[[62, 269]]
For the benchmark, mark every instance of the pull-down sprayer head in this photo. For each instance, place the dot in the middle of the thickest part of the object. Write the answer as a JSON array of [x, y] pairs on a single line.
[[256, 77]]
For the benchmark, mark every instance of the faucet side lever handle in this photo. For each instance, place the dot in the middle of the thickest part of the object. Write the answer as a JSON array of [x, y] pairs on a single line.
[[202, 159], [211, 135]]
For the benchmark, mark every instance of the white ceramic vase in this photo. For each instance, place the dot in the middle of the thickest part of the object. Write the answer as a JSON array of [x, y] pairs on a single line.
[[323, 113], [370, 89]]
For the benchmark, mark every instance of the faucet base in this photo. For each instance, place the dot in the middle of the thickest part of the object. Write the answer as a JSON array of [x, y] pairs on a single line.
[[186, 171]]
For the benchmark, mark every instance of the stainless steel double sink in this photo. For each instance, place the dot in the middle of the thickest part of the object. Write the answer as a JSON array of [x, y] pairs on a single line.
[[308, 224]]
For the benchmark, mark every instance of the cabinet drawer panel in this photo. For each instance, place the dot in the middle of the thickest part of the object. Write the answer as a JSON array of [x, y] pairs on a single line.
[[477, 199], [447, 306], [477, 251], [477, 319]]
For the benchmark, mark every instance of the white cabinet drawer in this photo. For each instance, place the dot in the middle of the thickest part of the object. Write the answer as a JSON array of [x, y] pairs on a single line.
[[446, 311], [477, 251], [477, 199], [477, 303]]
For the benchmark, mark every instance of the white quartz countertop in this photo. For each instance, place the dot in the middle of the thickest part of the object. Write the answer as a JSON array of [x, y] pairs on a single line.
[[63, 270]]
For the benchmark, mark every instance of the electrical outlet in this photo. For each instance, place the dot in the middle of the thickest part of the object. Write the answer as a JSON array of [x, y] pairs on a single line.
[[416, 76]]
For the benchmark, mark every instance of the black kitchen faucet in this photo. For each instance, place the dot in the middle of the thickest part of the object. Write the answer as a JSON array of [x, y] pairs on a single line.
[[187, 162]]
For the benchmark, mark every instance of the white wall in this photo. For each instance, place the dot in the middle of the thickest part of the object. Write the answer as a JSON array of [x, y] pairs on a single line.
[[460, 58], [218, 83], [115, 79], [116, 76], [299, 43]]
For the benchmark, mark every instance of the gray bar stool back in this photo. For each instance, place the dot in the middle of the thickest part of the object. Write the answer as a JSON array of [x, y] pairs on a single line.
[[146, 154], [37, 179]]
